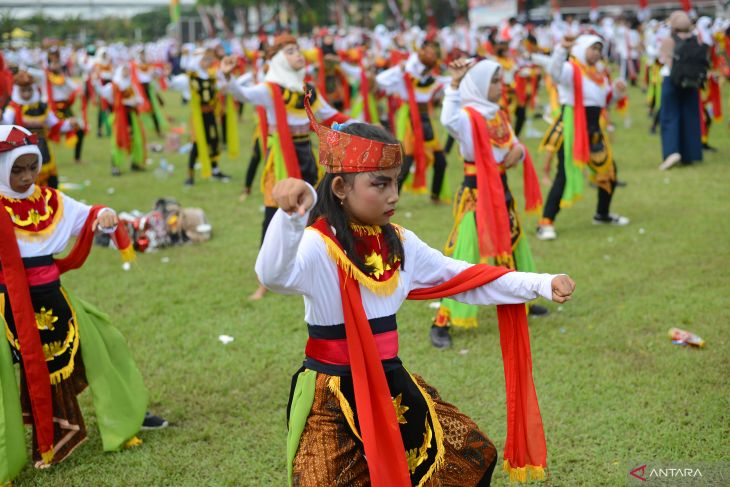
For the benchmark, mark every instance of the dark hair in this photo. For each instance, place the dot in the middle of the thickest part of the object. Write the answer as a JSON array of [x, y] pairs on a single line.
[[328, 206]]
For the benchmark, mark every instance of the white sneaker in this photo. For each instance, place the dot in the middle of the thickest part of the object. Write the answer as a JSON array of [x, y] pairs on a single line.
[[671, 160], [611, 219], [546, 232]]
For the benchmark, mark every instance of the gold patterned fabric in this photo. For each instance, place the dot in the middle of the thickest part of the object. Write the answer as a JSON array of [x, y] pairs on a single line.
[[331, 454], [57, 329], [69, 430]]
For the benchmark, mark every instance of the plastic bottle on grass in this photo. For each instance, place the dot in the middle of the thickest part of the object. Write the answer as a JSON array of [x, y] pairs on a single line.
[[683, 337]]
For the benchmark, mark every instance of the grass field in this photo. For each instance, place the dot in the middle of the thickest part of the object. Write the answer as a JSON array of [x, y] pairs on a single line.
[[614, 392]]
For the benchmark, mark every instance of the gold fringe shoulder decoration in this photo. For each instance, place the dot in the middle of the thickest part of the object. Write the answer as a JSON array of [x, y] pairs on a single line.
[[380, 288]]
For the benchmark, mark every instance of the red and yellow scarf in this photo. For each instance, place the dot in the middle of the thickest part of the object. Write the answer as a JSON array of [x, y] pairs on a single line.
[[419, 147]]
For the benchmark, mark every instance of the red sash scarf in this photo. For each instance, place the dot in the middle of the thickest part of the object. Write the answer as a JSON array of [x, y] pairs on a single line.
[[493, 226], [16, 283], [581, 148], [264, 126], [49, 92], [531, 185], [345, 89], [419, 149], [291, 161], [18, 109], [121, 124], [365, 93], [34, 361], [533, 90], [525, 449], [521, 90]]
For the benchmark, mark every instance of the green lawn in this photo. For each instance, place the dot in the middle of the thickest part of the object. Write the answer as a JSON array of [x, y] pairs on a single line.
[[614, 392]]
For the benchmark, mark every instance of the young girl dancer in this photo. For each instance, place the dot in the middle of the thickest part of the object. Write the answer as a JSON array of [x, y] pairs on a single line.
[[577, 136], [356, 415], [62, 343], [486, 224]]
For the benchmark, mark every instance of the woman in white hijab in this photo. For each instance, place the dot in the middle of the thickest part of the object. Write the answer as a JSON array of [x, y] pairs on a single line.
[[63, 344], [579, 122], [475, 90], [289, 151]]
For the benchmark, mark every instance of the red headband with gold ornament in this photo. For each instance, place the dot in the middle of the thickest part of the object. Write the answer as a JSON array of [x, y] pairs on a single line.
[[346, 153]]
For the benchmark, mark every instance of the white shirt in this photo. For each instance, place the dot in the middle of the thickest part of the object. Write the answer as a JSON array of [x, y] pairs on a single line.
[[458, 124], [260, 94], [393, 82], [562, 72], [70, 224], [294, 260]]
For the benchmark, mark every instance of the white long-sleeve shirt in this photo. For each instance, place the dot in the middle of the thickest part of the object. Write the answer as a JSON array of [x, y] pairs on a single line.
[[9, 117], [71, 221], [392, 82], [260, 94], [294, 260], [458, 124], [594, 95]]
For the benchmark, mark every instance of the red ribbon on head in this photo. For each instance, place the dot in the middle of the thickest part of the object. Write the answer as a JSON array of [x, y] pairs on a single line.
[[291, 161], [581, 147], [493, 226], [419, 150], [17, 138], [34, 360]]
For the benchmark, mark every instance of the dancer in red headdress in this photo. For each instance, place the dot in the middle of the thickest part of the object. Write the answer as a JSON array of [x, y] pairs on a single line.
[[356, 416]]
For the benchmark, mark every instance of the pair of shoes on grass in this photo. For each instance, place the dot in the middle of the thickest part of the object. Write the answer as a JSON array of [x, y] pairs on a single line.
[[547, 232]]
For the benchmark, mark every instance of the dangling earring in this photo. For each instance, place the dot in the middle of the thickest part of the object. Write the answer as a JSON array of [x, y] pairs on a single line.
[[342, 202]]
